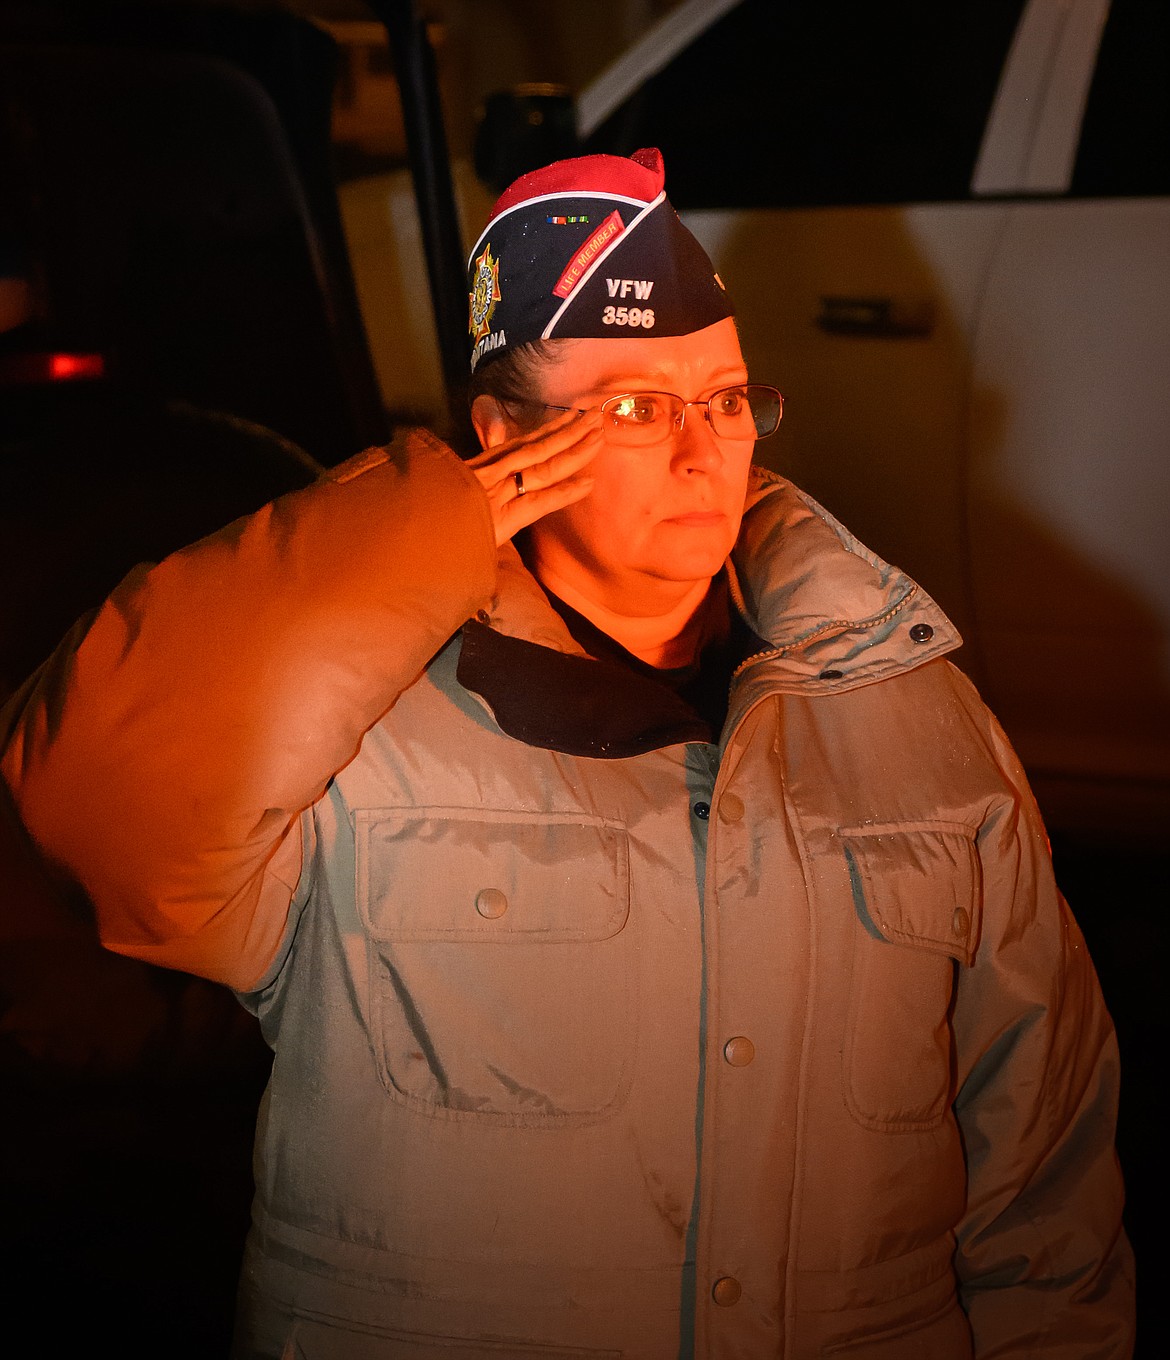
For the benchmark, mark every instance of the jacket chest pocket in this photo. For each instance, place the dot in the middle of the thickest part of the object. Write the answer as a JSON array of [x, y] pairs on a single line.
[[917, 900], [502, 981]]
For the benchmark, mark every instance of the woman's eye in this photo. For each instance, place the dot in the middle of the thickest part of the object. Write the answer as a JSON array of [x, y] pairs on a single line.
[[638, 410], [731, 402]]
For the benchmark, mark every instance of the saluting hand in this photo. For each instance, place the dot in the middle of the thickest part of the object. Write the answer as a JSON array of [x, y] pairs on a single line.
[[532, 474]]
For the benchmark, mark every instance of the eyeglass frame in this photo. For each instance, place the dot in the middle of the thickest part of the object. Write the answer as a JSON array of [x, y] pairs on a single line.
[[706, 404]]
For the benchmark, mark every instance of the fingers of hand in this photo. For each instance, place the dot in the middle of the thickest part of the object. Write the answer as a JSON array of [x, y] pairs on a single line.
[[541, 473], [521, 511], [499, 463], [543, 493], [550, 463]]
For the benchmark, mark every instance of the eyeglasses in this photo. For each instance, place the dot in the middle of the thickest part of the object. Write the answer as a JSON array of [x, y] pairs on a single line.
[[637, 419]]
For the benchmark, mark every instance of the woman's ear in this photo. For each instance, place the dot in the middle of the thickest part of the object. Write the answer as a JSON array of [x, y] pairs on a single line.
[[492, 422]]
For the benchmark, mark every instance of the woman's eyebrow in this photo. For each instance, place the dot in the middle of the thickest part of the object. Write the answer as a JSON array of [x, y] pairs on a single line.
[[644, 381]]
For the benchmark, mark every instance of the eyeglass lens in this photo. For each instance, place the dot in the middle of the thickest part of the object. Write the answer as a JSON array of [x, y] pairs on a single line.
[[749, 412]]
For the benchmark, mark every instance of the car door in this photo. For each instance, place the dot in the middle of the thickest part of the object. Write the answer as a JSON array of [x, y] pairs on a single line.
[[1068, 424]]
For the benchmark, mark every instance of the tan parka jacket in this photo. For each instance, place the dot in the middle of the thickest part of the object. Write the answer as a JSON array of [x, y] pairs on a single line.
[[593, 1037]]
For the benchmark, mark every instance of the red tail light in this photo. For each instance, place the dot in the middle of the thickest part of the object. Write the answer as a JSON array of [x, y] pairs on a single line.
[[66, 366], [30, 369]]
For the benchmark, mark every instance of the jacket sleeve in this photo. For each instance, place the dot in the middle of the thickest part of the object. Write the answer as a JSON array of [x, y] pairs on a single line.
[[162, 756], [1044, 1265]]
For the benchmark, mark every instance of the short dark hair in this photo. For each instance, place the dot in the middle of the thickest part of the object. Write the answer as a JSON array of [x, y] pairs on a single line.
[[511, 378]]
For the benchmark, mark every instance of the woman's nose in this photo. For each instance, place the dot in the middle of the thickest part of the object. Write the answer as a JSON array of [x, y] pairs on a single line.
[[696, 445]]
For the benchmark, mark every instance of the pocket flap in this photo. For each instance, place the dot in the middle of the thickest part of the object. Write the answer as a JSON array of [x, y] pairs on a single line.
[[917, 885], [432, 874]]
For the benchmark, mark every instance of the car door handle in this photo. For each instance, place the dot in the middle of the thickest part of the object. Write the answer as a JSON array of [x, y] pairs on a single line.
[[884, 318]]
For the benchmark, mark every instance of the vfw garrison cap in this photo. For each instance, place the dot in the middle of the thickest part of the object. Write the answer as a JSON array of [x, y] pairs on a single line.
[[588, 248]]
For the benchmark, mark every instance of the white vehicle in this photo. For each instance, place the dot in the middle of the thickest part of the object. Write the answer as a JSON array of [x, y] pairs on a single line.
[[947, 232]]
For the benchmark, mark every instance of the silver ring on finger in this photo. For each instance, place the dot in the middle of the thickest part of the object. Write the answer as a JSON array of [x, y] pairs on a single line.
[[518, 478]]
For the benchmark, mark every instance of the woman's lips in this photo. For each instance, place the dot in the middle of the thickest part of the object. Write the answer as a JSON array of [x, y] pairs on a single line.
[[698, 519]]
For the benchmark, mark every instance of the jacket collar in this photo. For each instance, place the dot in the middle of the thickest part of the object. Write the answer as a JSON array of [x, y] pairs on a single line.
[[571, 702], [835, 615]]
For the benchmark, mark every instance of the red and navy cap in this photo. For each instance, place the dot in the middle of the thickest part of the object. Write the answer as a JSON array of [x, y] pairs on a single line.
[[588, 248]]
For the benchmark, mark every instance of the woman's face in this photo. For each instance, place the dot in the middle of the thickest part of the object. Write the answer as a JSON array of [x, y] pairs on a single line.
[[661, 518]]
